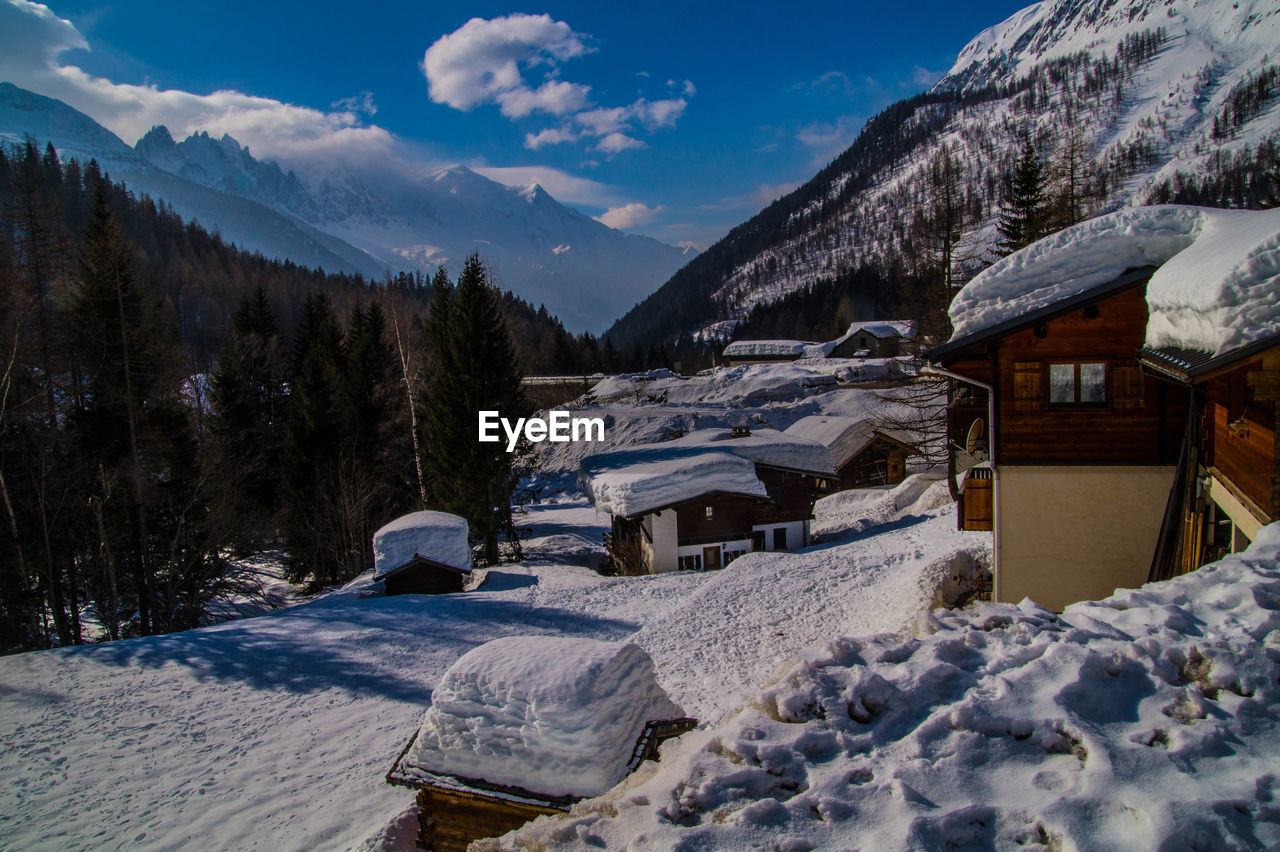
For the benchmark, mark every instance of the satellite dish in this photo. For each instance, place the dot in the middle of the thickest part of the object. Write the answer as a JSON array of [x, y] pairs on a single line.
[[975, 437]]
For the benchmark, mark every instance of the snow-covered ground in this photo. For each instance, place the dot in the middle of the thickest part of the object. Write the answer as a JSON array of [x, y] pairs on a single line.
[[275, 732], [1149, 720]]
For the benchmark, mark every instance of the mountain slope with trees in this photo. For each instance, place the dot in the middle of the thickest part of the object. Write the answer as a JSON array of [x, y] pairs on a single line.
[[1126, 103]]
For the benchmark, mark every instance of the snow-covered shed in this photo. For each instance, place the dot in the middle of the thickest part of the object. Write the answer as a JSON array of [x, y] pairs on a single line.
[[526, 725], [765, 351], [422, 553], [700, 501], [862, 453], [875, 339], [1091, 356]]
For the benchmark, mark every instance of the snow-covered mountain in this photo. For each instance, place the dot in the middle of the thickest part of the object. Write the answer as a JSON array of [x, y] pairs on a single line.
[[1157, 98], [239, 219], [369, 217], [410, 217]]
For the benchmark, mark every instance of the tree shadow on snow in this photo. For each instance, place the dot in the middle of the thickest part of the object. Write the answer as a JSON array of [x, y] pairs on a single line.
[[398, 643]]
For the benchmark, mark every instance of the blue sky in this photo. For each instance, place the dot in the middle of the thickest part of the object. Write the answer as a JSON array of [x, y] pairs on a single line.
[[678, 121]]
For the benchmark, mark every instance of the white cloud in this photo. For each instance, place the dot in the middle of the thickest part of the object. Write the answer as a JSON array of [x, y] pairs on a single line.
[[616, 142], [514, 61], [550, 136], [481, 62], [35, 39], [922, 76], [631, 215], [361, 104], [827, 139], [563, 186]]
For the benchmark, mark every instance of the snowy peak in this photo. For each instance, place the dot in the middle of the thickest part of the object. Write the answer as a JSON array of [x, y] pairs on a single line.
[[225, 165], [1051, 29], [74, 134]]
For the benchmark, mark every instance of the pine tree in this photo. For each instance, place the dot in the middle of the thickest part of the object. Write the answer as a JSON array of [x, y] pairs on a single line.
[[247, 392], [1022, 211], [473, 370]]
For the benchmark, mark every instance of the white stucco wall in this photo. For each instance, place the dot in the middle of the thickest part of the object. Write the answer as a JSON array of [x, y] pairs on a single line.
[[797, 534], [661, 553]]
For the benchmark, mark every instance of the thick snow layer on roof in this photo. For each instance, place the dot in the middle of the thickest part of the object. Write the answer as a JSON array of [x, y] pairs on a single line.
[[1143, 721], [763, 446], [765, 348], [844, 437], [553, 715], [437, 536], [1217, 286], [631, 482], [637, 479]]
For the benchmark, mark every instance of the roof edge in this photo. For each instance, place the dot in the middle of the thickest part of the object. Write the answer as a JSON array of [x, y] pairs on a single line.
[[1128, 279]]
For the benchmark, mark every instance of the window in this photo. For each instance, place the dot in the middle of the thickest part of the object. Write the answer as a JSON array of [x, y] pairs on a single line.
[[780, 538], [691, 563], [1078, 384], [710, 512], [757, 540]]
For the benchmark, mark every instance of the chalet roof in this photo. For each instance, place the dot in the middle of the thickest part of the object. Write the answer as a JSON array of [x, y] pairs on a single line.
[[1127, 281], [884, 329], [551, 715], [1190, 365], [436, 536], [766, 348], [845, 437], [1216, 285], [643, 479], [647, 477]]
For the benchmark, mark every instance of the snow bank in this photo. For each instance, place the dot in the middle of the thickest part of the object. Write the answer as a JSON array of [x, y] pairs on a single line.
[[631, 482], [1147, 720], [438, 536], [552, 715], [1216, 289]]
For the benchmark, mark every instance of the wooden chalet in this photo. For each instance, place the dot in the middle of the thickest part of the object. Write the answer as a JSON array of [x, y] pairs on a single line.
[[717, 495], [1228, 484], [862, 454], [593, 746], [423, 553], [1083, 444]]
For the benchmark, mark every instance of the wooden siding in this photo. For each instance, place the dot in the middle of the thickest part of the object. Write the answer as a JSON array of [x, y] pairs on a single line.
[[1240, 430], [731, 519], [423, 577], [976, 510], [449, 821], [1140, 423], [792, 494], [880, 463]]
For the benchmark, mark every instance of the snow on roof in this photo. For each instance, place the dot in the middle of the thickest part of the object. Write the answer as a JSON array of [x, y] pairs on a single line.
[[641, 479], [553, 715], [887, 328], [1217, 287], [844, 437], [765, 348], [437, 536], [762, 446], [649, 476]]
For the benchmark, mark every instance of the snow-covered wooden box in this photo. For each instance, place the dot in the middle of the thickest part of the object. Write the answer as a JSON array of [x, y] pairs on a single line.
[[422, 553], [527, 725]]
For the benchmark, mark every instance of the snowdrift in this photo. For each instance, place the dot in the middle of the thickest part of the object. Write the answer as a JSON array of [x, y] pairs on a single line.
[[1145, 720]]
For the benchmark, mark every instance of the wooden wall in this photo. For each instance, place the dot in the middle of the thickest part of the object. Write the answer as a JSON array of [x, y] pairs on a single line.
[[424, 578], [1239, 434], [731, 519], [792, 494], [1142, 421], [871, 466], [448, 821]]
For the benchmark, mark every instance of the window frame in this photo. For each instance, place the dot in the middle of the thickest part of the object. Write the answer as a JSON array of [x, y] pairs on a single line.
[[1076, 385]]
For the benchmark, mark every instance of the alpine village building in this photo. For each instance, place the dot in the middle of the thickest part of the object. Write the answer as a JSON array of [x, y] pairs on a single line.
[[701, 500], [1113, 459]]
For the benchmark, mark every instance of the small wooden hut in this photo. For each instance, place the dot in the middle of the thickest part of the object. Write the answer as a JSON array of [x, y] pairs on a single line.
[[423, 553], [482, 766]]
